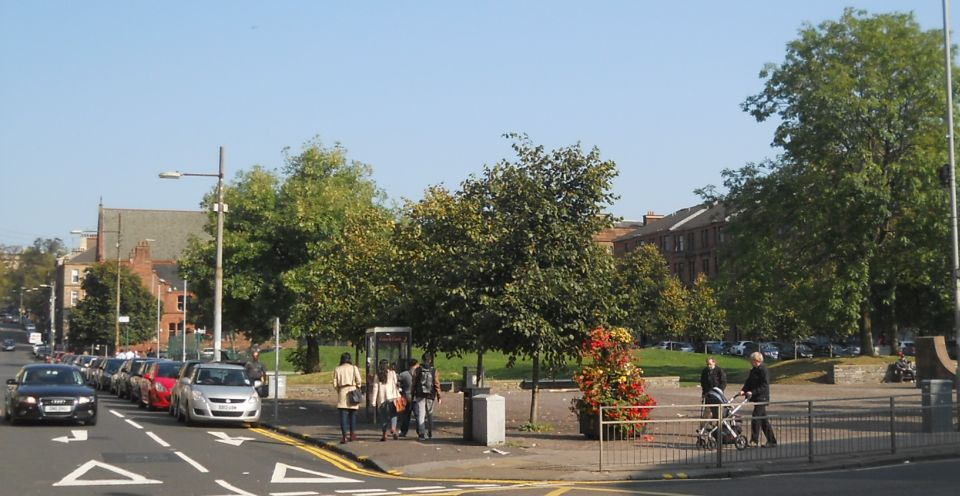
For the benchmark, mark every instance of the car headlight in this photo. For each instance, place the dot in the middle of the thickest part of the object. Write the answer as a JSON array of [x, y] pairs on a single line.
[[159, 387], [197, 396], [30, 400], [83, 400], [253, 398]]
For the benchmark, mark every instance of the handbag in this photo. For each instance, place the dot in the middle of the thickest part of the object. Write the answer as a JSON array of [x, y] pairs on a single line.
[[355, 397], [400, 404]]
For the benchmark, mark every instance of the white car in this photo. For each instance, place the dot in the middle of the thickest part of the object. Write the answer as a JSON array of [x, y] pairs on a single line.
[[218, 392], [739, 348]]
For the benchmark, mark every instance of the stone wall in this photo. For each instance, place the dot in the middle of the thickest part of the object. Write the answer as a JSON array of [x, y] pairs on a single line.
[[859, 374]]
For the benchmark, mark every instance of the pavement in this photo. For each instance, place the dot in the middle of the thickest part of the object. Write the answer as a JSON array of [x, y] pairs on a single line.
[[562, 454]]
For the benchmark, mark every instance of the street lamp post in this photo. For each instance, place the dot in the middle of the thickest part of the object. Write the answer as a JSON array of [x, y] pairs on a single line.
[[160, 283], [53, 297], [218, 271]]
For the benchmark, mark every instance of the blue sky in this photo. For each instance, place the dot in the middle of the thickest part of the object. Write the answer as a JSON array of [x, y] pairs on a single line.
[[97, 97]]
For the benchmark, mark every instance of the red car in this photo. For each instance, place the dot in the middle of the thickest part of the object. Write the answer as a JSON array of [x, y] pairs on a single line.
[[156, 383]]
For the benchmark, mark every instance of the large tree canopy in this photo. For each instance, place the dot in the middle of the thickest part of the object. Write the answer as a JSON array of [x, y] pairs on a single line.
[[92, 320], [852, 211]]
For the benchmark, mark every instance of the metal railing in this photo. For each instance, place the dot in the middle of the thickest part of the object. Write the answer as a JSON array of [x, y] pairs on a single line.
[[805, 430]]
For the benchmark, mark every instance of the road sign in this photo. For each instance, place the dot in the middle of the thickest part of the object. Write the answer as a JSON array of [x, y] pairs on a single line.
[[36, 338]]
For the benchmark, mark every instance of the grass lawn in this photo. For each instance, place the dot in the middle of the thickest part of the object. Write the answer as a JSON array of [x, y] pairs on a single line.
[[654, 362]]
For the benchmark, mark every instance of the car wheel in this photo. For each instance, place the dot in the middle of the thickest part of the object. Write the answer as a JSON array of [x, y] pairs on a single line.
[[92, 421], [6, 415], [180, 415], [188, 419]]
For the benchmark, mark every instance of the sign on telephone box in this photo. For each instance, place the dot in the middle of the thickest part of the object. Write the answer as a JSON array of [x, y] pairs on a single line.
[[123, 319]]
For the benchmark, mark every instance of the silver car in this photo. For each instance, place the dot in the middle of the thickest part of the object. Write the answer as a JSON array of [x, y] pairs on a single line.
[[218, 392]]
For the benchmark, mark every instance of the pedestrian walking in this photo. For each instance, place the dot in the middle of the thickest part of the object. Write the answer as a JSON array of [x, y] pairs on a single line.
[[385, 392], [346, 379], [426, 391], [711, 377], [257, 372], [405, 379], [757, 390]]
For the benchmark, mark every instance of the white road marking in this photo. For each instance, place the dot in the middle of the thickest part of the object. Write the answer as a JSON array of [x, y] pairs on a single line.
[[226, 439], [280, 476], [138, 426], [301, 493], [420, 488], [72, 479], [117, 413], [189, 460], [77, 436], [478, 486], [429, 491], [159, 441], [377, 492], [236, 491]]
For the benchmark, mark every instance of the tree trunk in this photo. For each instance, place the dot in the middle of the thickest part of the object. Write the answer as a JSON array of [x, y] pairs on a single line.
[[312, 363], [535, 388], [866, 330]]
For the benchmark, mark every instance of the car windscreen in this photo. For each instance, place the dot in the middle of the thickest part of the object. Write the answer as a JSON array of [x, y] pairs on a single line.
[[168, 369], [222, 377], [112, 366], [52, 377]]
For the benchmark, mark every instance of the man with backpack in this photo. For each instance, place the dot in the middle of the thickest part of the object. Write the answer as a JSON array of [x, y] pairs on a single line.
[[426, 390]]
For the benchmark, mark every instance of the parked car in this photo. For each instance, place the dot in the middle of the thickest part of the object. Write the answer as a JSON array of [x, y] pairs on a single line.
[[183, 378], [770, 351], [121, 380], [50, 392], [714, 347], [105, 371], [218, 392], [908, 348], [675, 346], [789, 351], [739, 348], [832, 350], [9, 344], [157, 382], [133, 378]]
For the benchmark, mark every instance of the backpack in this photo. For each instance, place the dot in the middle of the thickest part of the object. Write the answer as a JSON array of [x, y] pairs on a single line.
[[425, 382]]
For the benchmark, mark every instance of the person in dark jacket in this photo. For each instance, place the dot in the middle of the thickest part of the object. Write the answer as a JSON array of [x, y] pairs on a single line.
[[757, 390], [712, 377]]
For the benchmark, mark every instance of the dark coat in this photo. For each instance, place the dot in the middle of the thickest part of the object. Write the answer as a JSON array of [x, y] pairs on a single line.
[[758, 383], [710, 379]]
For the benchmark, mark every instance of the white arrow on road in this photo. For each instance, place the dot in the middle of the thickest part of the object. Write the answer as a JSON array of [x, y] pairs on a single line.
[[77, 436], [226, 439]]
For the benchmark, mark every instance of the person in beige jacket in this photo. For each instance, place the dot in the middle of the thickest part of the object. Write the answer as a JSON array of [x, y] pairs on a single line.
[[385, 392], [346, 378]]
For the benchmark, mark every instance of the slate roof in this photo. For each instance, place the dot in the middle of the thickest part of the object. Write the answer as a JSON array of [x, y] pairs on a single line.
[[688, 218], [169, 229]]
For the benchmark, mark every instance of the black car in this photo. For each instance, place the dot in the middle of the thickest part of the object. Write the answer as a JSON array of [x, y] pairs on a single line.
[[43, 391], [105, 371], [9, 344]]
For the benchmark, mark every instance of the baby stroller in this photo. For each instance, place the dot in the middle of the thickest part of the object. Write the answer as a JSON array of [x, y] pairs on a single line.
[[730, 429]]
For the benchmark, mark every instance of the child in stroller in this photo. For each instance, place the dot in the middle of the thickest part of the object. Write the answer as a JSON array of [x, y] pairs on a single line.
[[730, 428]]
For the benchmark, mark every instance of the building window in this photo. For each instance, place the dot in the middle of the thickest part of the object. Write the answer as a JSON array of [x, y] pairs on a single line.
[[706, 266], [74, 298], [690, 239], [716, 266], [692, 270], [704, 238], [679, 242], [721, 236], [180, 302], [75, 276]]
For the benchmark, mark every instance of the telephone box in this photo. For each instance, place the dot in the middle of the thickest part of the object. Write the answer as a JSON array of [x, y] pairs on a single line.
[[390, 343]]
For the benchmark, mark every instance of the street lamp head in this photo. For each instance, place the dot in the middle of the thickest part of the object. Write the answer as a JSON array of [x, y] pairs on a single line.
[[171, 175]]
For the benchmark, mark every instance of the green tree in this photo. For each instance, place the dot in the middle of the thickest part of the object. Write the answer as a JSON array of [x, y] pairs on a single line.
[[706, 320], [852, 210], [92, 320], [642, 285], [302, 245], [37, 265]]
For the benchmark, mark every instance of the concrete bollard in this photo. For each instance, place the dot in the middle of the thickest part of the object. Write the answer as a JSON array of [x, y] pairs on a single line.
[[489, 419], [281, 388]]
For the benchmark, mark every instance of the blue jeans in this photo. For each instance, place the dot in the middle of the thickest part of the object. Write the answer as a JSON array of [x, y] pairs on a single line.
[[387, 413], [348, 421], [425, 417]]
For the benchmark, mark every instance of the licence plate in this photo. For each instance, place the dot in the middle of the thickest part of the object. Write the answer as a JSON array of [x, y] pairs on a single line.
[[228, 407], [58, 409]]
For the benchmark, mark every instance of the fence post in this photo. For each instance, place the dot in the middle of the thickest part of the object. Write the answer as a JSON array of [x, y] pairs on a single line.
[[810, 431], [600, 435], [893, 427], [720, 412]]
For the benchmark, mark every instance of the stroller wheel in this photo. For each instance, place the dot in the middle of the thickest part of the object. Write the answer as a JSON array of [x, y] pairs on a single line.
[[701, 443], [740, 442]]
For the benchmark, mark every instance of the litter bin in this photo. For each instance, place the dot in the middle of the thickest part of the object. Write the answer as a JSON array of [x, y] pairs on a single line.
[[468, 394], [937, 402]]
